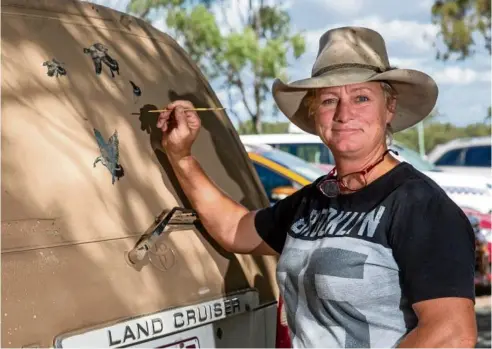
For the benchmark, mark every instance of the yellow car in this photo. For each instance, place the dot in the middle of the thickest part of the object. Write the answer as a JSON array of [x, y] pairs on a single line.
[[281, 173]]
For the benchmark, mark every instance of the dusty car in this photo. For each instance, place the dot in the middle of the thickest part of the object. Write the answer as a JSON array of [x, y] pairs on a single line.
[[100, 248]]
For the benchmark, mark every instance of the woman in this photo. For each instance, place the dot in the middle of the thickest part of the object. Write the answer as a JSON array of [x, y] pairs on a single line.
[[374, 254]]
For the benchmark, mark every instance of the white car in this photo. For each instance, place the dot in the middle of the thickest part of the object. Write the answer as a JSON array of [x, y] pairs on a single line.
[[471, 191], [468, 191], [469, 155]]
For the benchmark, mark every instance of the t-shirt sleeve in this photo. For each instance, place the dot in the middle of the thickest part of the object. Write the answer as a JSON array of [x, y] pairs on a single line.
[[273, 222], [434, 246]]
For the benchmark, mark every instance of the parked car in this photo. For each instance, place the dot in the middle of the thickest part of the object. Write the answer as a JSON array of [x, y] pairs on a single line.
[[469, 155], [473, 192], [303, 145], [100, 248], [283, 174], [468, 191], [483, 274]]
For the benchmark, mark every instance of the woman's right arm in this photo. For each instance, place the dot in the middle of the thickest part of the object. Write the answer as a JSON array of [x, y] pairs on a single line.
[[228, 222]]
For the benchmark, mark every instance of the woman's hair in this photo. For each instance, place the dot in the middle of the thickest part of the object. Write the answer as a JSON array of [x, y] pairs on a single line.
[[390, 95]]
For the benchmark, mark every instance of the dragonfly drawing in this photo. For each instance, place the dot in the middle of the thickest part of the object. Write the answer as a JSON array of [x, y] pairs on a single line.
[[109, 155]]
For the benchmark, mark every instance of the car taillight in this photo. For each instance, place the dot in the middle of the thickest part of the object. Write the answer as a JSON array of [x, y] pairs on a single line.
[[485, 222], [283, 336]]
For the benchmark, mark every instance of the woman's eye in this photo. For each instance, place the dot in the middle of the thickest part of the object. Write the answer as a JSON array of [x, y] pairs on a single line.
[[329, 101], [361, 99]]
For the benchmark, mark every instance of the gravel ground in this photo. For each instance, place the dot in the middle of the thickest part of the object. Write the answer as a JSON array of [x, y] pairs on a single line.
[[483, 311]]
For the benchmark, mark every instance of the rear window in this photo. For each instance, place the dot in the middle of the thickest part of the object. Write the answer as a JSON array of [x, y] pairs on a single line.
[[295, 164], [450, 158], [478, 156], [316, 153]]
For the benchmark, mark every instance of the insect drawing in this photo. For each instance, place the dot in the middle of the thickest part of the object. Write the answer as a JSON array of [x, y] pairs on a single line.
[[109, 155], [55, 68], [99, 55]]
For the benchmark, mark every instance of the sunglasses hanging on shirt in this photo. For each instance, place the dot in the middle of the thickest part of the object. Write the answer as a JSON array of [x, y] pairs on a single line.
[[331, 185]]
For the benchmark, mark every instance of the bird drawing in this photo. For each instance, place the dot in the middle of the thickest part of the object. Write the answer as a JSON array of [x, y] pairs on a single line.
[[109, 155], [99, 55], [137, 92], [55, 68]]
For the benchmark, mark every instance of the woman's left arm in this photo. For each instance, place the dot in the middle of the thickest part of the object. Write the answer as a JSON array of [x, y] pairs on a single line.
[[443, 322], [434, 245]]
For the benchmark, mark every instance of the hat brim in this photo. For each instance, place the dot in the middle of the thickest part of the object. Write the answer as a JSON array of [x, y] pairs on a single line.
[[416, 94]]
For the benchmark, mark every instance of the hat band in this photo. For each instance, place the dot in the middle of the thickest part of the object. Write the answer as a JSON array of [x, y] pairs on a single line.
[[346, 65]]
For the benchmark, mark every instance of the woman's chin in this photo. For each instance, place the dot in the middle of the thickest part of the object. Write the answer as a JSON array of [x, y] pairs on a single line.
[[345, 146]]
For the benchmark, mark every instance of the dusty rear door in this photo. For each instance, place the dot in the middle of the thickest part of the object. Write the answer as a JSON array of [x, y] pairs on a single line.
[[83, 178]]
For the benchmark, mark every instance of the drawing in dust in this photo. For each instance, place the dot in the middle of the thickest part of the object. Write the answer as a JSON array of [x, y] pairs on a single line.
[[137, 92], [99, 55], [55, 68], [109, 155]]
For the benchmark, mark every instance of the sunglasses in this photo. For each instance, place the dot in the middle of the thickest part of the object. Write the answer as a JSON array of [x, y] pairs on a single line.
[[332, 186]]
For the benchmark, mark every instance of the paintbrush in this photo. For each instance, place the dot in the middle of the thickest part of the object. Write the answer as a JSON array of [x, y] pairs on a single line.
[[193, 109]]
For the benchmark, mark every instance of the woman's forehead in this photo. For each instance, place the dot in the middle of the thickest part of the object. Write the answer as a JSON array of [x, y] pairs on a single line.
[[370, 86]]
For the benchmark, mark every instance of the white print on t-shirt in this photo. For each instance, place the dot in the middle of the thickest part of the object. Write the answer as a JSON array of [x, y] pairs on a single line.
[[329, 221]]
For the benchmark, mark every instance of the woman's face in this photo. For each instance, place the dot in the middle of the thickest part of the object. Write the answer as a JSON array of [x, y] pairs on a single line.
[[352, 119]]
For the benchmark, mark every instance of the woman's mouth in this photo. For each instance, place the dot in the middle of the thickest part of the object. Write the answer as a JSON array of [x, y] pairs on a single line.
[[345, 130]]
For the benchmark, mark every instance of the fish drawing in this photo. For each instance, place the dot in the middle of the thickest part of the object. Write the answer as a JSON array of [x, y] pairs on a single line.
[[109, 155]]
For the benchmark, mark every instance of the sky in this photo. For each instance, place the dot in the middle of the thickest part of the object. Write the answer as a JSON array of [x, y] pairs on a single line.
[[464, 86]]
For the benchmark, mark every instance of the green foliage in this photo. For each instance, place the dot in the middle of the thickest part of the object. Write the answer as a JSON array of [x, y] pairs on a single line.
[[243, 59], [438, 133], [267, 127], [459, 21], [142, 8]]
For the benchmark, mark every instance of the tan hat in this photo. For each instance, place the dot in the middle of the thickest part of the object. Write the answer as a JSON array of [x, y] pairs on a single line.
[[351, 55]]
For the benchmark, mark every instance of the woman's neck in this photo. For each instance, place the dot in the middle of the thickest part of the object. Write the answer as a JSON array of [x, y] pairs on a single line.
[[349, 164]]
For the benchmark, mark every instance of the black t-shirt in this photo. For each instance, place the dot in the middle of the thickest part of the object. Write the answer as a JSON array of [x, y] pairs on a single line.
[[351, 267]]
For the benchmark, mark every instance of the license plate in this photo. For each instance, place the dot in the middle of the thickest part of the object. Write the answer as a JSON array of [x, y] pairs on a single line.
[[187, 343], [182, 326]]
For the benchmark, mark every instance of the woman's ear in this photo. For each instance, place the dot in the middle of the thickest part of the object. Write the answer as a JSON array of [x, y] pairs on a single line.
[[390, 110]]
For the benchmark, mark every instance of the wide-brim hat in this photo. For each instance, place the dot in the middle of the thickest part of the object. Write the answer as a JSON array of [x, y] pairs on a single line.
[[350, 55]]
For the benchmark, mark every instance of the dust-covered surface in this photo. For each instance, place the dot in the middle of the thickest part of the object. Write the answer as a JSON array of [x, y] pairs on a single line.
[[483, 312]]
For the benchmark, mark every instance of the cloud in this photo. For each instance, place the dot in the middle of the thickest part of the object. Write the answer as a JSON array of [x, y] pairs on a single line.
[[231, 15], [425, 4], [346, 7], [461, 76], [411, 34], [160, 24], [408, 63]]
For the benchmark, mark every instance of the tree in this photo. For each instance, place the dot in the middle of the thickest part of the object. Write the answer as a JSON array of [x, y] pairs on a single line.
[[438, 133], [243, 59], [460, 22]]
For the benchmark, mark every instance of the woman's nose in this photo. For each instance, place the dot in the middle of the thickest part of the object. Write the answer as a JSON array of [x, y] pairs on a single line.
[[343, 112]]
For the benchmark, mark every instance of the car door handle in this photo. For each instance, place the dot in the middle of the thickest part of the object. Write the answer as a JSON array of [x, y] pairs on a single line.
[[168, 221]]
